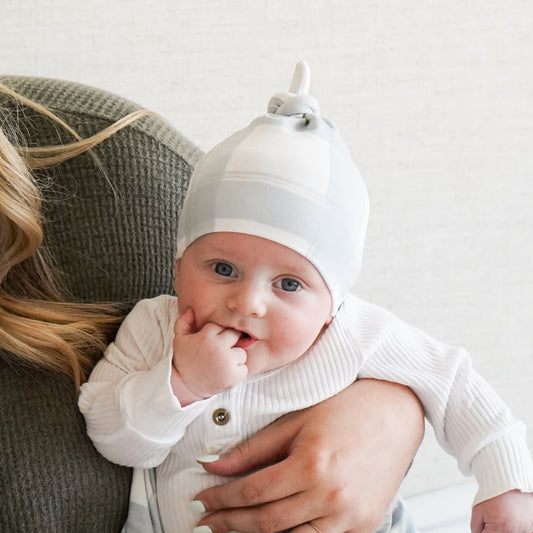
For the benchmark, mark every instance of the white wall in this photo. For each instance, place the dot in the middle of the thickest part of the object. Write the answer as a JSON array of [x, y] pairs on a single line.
[[434, 98]]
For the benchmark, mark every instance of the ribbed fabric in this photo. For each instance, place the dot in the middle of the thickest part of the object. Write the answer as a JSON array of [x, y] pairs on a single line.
[[52, 479], [113, 238], [150, 427]]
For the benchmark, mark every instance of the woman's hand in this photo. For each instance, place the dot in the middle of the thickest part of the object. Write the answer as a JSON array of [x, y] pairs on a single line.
[[338, 464]]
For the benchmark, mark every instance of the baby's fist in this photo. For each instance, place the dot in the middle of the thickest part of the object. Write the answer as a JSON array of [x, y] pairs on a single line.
[[205, 361], [510, 512]]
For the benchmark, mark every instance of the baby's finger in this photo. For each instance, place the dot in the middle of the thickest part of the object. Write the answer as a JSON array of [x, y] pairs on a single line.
[[210, 328], [240, 370], [229, 335], [239, 356], [185, 323]]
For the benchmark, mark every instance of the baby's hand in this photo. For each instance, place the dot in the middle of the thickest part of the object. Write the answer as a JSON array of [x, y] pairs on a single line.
[[205, 362], [510, 512]]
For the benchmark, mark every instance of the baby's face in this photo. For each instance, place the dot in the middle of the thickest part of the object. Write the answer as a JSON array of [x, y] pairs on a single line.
[[271, 294]]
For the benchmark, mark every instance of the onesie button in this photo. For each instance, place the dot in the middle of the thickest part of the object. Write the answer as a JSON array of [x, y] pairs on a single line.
[[221, 417]]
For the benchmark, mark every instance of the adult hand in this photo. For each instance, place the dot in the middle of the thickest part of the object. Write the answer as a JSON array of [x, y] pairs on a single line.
[[338, 464]]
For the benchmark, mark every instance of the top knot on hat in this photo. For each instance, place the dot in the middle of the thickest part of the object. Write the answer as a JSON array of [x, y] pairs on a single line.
[[295, 102]]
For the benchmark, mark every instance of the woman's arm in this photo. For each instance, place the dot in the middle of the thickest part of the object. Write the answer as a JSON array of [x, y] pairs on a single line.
[[338, 463]]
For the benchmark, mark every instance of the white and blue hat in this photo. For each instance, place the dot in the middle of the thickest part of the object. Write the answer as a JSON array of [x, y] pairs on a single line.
[[287, 177]]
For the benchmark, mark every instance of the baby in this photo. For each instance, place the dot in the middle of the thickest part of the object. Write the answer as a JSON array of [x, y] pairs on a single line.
[[269, 245]]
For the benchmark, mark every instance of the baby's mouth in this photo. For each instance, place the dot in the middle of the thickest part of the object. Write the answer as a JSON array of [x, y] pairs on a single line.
[[245, 341]]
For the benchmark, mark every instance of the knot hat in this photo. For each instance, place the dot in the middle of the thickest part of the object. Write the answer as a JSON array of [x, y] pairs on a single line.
[[287, 177]]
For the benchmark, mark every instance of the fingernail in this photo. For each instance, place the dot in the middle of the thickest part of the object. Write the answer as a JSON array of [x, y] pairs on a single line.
[[196, 506], [202, 529], [208, 459]]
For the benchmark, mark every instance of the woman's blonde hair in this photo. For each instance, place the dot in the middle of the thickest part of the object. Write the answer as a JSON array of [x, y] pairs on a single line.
[[38, 325]]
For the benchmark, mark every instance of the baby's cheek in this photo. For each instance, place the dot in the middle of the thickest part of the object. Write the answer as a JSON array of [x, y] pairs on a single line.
[[287, 333], [299, 338]]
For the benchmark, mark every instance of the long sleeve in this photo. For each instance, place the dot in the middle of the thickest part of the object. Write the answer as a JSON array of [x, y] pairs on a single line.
[[132, 415], [470, 421]]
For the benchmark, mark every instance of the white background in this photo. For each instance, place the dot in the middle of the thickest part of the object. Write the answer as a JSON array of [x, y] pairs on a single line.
[[434, 98]]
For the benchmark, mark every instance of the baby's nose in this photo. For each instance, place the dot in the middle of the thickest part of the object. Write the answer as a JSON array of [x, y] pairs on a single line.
[[248, 300]]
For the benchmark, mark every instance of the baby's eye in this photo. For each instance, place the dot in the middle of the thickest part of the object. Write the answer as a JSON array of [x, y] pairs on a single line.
[[288, 285], [223, 269]]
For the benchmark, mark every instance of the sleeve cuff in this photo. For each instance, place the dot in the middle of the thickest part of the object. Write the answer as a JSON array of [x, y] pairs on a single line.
[[503, 465]]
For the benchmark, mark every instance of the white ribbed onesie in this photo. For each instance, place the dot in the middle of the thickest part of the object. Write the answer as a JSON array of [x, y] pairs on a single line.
[[134, 419]]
